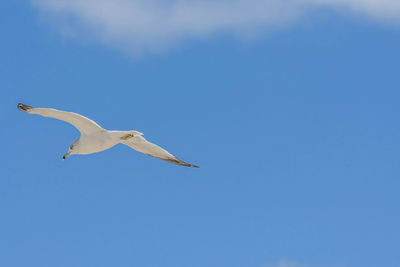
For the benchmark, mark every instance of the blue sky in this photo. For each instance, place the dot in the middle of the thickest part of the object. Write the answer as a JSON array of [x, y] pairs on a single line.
[[293, 119]]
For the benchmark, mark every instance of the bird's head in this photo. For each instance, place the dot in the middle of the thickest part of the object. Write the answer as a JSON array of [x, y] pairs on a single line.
[[71, 151]]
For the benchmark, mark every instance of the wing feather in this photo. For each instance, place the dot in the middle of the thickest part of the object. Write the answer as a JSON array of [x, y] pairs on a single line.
[[83, 124], [140, 144]]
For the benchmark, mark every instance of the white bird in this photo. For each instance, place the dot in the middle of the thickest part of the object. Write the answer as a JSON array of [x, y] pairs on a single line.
[[95, 139]]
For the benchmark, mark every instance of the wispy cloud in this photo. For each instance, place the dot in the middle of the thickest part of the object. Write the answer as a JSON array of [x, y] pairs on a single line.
[[284, 263], [387, 10], [151, 25]]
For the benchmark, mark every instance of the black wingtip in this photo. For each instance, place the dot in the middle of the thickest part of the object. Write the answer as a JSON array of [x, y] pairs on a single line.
[[24, 107], [180, 162], [187, 164]]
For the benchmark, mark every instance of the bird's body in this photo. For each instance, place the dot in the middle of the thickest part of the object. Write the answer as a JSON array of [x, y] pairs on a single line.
[[98, 141], [95, 139]]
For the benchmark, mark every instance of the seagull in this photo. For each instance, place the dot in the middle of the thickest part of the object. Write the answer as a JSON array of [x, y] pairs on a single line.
[[95, 139]]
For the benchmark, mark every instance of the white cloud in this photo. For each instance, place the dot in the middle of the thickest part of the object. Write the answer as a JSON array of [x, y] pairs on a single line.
[[388, 10], [151, 25], [284, 263]]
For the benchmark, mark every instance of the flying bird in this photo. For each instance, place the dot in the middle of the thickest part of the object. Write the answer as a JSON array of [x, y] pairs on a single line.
[[95, 139]]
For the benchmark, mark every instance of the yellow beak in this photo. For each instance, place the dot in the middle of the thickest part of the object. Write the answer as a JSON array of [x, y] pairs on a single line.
[[66, 155]]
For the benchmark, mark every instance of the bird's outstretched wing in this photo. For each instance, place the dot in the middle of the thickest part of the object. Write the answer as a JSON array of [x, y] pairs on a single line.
[[83, 124], [142, 145]]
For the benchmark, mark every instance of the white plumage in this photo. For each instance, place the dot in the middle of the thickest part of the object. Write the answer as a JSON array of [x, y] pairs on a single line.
[[95, 139]]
